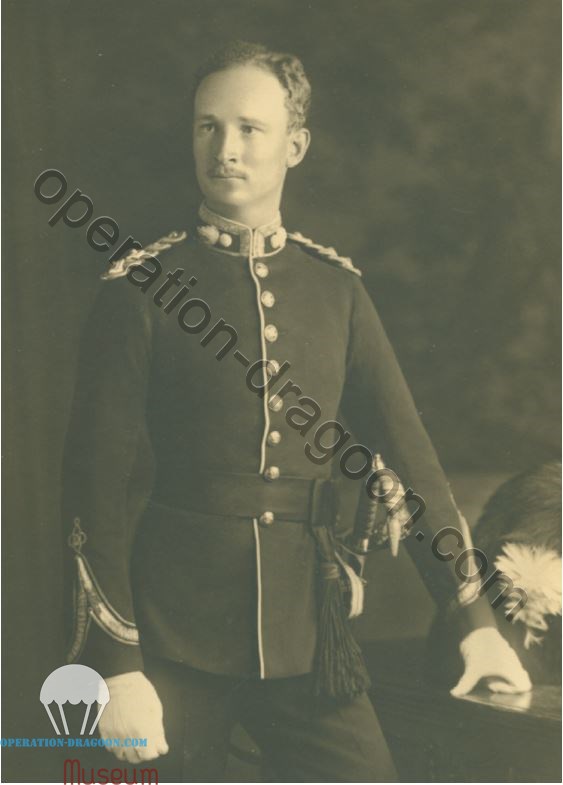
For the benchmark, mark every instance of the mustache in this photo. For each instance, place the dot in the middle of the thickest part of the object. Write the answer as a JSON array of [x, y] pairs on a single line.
[[222, 171]]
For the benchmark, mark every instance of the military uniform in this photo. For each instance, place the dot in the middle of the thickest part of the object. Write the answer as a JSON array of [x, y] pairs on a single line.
[[188, 486]]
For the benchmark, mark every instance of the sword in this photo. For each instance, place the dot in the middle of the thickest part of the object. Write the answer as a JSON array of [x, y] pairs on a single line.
[[367, 527]]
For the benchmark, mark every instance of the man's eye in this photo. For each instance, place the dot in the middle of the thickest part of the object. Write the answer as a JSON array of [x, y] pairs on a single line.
[[248, 130], [206, 127]]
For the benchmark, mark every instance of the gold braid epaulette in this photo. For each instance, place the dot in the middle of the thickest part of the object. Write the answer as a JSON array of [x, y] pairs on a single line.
[[120, 266], [325, 254]]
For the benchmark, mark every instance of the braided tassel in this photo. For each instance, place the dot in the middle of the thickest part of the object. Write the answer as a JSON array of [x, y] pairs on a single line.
[[340, 672], [355, 584]]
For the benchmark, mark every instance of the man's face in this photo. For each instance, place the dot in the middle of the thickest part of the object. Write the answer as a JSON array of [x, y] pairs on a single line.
[[242, 146]]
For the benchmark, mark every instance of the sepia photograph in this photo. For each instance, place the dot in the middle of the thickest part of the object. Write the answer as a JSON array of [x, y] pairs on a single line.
[[282, 391]]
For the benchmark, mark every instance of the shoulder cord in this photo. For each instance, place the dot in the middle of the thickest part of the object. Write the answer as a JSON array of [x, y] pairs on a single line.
[[326, 254], [120, 267]]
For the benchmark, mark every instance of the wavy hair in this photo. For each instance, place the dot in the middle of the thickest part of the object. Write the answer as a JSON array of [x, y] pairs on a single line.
[[287, 68]]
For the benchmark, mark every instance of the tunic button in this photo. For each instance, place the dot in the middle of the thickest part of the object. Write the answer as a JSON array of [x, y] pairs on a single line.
[[271, 333], [274, 437], [272, 473], [267, 518], [267, 299], [225, 240], [275, 403], [272, 368], [261, 270]]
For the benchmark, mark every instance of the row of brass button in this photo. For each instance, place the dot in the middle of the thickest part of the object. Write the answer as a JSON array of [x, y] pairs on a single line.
[[275, 404]]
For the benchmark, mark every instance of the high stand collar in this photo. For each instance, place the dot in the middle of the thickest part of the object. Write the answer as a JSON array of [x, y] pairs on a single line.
[[236, 239]]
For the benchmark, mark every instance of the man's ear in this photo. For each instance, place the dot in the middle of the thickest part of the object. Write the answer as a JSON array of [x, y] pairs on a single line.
[[297, 146]]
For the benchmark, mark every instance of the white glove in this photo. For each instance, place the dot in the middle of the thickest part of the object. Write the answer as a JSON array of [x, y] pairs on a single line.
[[486, 654], [134, 711]]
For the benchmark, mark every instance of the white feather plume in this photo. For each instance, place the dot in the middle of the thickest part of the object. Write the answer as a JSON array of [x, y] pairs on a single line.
[[536, 570]]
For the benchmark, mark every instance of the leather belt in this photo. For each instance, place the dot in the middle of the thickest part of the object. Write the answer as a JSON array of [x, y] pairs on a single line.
[[251, 496]]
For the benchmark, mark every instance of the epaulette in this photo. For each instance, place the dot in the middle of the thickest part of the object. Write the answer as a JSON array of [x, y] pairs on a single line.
[[136, 255], [325, 254]]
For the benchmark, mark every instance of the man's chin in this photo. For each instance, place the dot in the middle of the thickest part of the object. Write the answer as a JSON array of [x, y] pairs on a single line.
[[227, 197], [228, 188]]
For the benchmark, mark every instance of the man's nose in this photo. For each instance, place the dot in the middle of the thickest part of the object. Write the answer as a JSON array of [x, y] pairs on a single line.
[[228, 146]]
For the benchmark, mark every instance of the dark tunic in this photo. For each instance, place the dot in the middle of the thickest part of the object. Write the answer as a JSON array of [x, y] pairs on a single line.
[[160, 425]]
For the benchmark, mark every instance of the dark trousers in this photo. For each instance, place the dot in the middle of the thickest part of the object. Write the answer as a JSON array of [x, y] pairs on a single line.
[[298, 740]]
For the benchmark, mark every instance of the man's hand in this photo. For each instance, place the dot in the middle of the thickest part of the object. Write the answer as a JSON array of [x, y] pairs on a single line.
[[134, 711], [486, 654]]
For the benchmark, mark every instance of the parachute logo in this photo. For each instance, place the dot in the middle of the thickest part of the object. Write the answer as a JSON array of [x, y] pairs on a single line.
[[74, 683]]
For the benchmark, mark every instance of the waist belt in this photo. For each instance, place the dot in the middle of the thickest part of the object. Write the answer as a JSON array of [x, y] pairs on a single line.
[[339, 669], [251, 496]]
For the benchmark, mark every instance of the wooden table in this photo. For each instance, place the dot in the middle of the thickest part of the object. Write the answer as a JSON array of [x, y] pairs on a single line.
[[480, 738]]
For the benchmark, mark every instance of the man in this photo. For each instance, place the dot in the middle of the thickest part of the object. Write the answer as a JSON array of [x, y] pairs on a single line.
[[198, 468]]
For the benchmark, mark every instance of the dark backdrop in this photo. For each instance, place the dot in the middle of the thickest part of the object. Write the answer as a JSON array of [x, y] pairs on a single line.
[[434, 164]]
